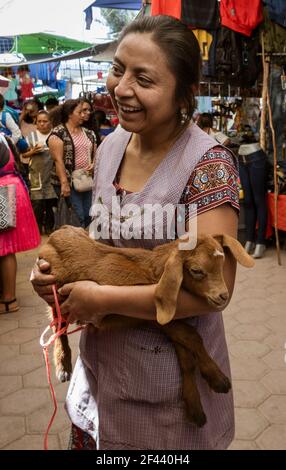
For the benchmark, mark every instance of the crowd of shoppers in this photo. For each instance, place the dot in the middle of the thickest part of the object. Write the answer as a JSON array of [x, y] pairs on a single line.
[[58, 139]]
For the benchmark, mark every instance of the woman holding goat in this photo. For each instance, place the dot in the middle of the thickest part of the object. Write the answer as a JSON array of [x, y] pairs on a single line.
[[126, 390]]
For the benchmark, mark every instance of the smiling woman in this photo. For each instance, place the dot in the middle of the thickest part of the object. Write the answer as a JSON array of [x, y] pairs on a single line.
[[126, 389], [139, 82]]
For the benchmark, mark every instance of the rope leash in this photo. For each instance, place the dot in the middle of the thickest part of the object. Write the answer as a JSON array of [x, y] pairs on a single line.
[[61, 327]]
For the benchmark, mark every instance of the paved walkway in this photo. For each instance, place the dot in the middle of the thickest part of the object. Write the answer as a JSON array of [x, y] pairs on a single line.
[[255, 325]]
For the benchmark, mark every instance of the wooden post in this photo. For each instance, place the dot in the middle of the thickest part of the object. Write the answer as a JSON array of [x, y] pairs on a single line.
[[266, 69], [264, 97]]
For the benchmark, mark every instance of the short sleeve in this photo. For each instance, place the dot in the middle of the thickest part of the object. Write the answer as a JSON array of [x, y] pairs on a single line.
[[213, 182]]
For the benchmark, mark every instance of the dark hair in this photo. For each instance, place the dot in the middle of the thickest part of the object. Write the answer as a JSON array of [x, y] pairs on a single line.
[[4, 154], [61, 114], [19, 166], [2, 101], [43, 111], [35, 101], [86, 100], [181, 49], [100, 117], [51, 102], [92, 123], [205, 120]]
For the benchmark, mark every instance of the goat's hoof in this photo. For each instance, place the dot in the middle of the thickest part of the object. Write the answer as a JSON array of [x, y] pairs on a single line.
[[63, 375], [221, 385], [196, 417], [216, 380]]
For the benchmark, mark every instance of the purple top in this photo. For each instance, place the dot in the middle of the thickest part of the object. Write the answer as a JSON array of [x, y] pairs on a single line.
[[126, 386]]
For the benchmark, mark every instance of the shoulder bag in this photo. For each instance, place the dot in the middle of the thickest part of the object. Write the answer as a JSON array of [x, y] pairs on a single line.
[[7, 207]]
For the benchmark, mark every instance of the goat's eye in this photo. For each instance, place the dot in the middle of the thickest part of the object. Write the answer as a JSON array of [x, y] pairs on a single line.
[[197, 273]]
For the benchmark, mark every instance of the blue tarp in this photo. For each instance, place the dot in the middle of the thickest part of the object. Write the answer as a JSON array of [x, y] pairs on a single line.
[[116, 4]]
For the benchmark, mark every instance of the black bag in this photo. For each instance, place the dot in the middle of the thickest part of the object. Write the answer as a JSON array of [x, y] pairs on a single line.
[[251, 62], [227, 56], [236, 59], [65, 214]]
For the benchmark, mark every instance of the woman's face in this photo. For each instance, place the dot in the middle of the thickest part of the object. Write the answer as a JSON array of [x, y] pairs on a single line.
[[77, 116], [43, 123], [142, 87], [86, 111]]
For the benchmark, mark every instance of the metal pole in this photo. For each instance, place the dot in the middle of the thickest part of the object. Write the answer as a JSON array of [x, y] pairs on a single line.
[[81, 77]]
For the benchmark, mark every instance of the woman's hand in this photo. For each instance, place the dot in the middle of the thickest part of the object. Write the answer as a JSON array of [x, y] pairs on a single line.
[[65, 189], [38, 148], [42, 281], [90, 168], [85, 302]]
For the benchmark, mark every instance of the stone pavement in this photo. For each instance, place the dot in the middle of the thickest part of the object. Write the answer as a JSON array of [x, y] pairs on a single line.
[[255, 323]]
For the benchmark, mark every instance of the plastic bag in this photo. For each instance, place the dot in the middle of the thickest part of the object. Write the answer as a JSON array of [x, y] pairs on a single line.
[[65, 214]]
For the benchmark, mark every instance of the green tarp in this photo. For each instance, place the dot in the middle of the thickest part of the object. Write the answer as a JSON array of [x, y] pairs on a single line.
[[44, 43]]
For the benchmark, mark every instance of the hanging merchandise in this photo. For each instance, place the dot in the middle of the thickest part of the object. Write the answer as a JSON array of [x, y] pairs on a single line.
[[239, 16], [283, 80], [274, 40], [277, 100], [196, 14], [166, 7], [226, 55], [204, 39], [200, 14], [251, 64], [277, 11], [236, 60]]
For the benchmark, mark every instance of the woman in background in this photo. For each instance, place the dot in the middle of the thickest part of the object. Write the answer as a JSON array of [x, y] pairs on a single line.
[[25, 236], [89, 119], [72, 147], [104, 125]]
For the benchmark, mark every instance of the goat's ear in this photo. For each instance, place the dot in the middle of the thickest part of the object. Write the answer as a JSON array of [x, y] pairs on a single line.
[[168, 287], [236, 249]]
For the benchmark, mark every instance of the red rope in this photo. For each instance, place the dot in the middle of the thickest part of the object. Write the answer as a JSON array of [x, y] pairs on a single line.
[[61, 326]]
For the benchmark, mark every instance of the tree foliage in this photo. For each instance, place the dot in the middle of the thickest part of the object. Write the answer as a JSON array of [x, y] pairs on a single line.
[[117, 19]]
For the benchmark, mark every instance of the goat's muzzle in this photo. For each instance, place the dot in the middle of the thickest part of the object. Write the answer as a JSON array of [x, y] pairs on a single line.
[[218, 300]]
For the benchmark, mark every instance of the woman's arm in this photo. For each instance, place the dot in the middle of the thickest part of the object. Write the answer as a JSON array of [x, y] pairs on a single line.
[[12, 126], [32, 150], [56, 147], [138, 301]]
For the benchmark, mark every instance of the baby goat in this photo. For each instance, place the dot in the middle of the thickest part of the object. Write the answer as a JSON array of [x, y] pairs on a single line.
[[199, 271]]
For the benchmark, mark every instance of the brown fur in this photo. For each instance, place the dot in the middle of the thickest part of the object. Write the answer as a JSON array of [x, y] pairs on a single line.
[[74, 256]]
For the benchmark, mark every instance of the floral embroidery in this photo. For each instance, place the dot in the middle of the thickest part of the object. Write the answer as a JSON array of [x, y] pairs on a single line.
[[80, 440], [213, 182]]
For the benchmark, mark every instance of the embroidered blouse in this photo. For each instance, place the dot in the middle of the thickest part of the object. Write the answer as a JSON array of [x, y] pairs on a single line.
[[212, 183]]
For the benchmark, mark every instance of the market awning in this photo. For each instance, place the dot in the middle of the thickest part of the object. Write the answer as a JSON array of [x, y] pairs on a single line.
[[117, 4], [71, 56], [114, 4], [104, 52], [44, 43], [4, 84]]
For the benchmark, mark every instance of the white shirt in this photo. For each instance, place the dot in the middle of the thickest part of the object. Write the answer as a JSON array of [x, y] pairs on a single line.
[[12, 126], [220, 137]]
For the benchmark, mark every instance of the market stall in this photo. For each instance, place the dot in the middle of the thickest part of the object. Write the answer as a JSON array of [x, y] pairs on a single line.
[[244, 57]]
